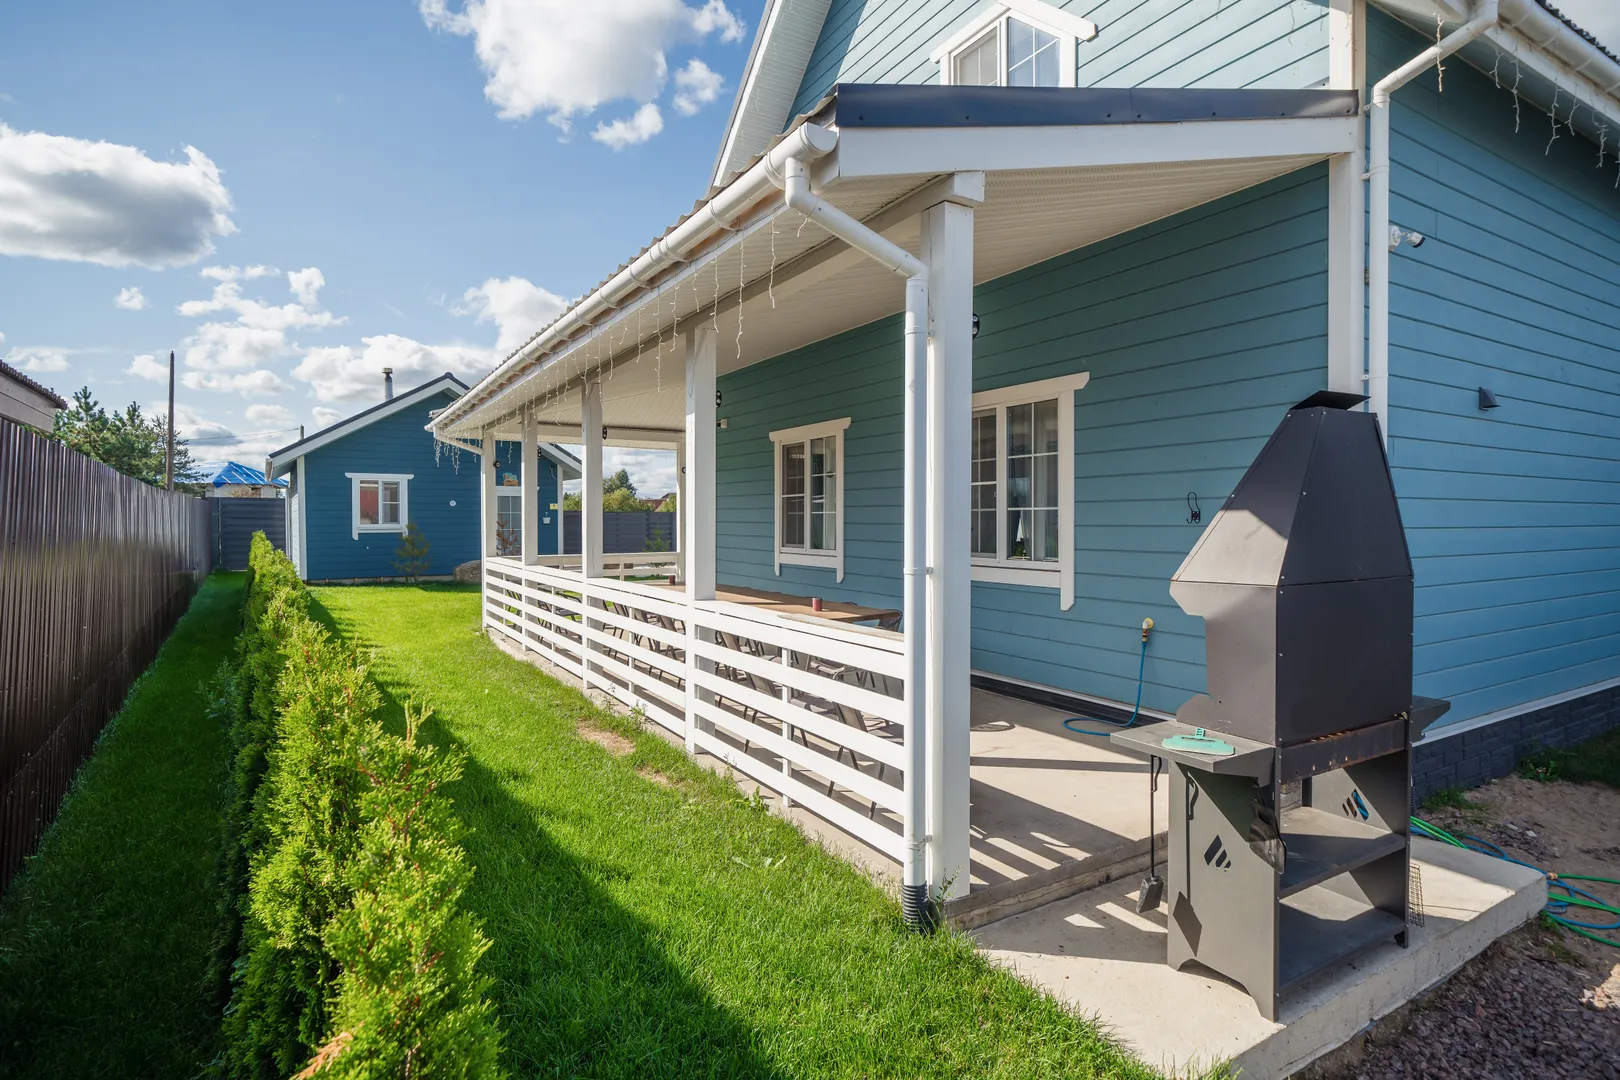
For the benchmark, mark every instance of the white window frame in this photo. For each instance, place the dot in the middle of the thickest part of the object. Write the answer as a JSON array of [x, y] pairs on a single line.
[[831, 560], [1069, 29], [404, 502], [1059, 576]]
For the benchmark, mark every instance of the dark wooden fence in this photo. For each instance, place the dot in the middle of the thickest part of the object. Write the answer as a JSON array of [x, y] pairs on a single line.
[[235, 522], [95, 569], [624, 531]]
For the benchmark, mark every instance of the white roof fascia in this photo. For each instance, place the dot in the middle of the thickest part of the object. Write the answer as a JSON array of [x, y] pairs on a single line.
[[1038, 11], [282, 460], [568, 466], [788, 31]]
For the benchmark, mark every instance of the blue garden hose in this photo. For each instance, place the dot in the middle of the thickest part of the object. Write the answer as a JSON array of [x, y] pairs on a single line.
[[1141, 666]]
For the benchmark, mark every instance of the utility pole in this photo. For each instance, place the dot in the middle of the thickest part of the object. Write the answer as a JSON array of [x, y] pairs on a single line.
[[168, 456]]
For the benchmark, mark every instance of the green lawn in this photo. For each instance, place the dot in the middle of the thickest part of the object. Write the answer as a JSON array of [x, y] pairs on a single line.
[[105, 938], [647, 929]]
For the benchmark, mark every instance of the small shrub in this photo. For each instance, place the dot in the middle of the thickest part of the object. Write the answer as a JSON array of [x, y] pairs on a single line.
[[411, 557]]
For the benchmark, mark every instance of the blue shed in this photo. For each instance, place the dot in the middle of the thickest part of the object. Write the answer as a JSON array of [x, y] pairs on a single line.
[[356, 486]]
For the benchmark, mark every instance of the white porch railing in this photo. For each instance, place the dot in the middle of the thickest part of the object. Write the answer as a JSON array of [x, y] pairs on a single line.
[[807, 708]]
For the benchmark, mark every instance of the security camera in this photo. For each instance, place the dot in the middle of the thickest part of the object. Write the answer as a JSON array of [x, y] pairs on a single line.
[[1398, 234]]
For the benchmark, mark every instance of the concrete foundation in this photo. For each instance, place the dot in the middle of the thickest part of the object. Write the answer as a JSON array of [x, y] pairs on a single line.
[[1095, 953]]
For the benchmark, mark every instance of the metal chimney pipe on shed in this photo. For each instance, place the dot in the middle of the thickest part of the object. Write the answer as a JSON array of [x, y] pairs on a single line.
[[388, 384]]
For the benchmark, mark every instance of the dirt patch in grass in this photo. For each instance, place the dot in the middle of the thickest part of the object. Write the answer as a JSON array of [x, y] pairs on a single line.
[[611, 741], [647, 772]]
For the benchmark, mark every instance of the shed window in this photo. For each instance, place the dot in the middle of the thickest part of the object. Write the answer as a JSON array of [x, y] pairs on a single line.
[[380, 502]]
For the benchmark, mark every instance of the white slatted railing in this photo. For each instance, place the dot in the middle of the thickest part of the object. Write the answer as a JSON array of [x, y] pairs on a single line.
[[807, 708]]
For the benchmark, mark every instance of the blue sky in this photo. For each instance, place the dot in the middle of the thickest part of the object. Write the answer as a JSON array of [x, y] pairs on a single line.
[[407, 154]]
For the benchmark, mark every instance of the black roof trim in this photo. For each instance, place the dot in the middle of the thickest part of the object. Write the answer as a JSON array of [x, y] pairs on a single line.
[[16, 376], [873, 105], [346, 421]]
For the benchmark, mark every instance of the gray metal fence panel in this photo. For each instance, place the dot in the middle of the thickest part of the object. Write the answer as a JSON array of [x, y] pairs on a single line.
[[95, 569], [624, 532], [235, 522]]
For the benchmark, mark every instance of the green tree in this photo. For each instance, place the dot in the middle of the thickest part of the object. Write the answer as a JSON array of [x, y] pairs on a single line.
[[619, 481], [618, 495], [411, 557], [128, 441]]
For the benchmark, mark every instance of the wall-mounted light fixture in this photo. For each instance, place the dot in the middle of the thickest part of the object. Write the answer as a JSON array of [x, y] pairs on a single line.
[[1487, 400], [975, 325]]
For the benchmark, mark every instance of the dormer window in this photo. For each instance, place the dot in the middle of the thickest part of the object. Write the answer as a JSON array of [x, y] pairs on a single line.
[[1014, 43]]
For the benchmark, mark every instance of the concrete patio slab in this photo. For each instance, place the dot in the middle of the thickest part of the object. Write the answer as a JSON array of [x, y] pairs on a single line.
[[1095, 953]]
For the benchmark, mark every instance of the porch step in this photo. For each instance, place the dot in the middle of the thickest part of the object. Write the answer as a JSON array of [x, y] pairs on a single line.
[[1008, 898]]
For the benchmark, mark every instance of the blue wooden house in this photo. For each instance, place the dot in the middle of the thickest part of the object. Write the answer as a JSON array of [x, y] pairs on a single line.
[[989, 305], [354, 488]]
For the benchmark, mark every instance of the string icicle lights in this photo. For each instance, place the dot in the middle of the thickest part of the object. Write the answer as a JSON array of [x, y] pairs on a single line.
[[1554, 112], [742, 278]]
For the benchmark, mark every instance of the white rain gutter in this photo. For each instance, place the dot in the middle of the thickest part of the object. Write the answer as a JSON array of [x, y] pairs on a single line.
[[1554, 37], [1379, 244], [794, 179], [807, 142]]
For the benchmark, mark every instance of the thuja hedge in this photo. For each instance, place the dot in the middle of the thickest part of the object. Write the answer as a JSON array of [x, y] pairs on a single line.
[[342, 950]]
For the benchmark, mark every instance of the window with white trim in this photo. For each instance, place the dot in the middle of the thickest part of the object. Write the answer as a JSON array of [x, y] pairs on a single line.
[[1014, 43], [809, 495], [380, 502], [1022, 475]]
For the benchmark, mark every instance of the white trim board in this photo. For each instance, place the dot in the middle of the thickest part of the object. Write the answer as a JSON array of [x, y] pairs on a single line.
[[1446, 731], [355, 480], [1044, 15], [828, 560]]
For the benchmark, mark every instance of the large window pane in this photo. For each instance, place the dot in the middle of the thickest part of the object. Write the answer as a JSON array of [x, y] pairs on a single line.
[[983, 530], [1032, 56], [389, 505], [368, 502], [793, 484], [824, 494], [980, 63], [1032, 482], [508, 524]]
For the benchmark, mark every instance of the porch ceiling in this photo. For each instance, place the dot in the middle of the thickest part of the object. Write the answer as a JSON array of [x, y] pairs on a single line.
[[799, 286]]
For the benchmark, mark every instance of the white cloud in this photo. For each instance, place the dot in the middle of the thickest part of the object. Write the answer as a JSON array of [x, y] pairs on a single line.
[[325, 418], [696, 85], [100, 202], [190, 424], [259, 315], [638, 127], [246, 383], [147, 366], [652, 471], [306, 285], [231, 347], [40, 358], [238, 273], [271, 416], [344, 373], [130, 299], [565, 59], [516, 306]]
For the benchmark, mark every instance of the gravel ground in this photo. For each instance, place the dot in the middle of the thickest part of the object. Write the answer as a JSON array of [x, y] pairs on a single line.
[[1539, 1003]]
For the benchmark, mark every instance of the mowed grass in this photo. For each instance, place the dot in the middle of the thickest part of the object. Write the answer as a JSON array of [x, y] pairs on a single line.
[[649, 921], [105, 938]]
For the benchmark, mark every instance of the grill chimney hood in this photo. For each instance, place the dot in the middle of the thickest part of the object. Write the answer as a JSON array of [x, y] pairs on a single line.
[[1304, 583]]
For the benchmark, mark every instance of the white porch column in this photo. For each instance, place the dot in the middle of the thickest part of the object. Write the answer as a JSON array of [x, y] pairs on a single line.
[[487, 492], [529, 478], [590, 502], [696, 503], [680, 511], [1347, 210], [947, 249]]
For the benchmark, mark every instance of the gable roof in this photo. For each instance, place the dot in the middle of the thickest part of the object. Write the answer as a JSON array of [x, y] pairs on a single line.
[[220, 473], [45, 392], [281, 461], [569, 467], [787, 35]]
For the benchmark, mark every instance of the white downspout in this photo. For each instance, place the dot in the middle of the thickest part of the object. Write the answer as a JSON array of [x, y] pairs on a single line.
[[795, 183], [1378, 235]]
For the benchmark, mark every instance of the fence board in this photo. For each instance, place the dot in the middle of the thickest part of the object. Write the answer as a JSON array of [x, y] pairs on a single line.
[[95, 569]]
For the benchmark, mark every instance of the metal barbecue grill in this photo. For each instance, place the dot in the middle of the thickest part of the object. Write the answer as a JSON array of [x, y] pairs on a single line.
[[1305, 587]]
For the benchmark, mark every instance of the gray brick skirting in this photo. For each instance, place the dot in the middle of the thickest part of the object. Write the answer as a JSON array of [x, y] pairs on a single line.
[[1469, 758]]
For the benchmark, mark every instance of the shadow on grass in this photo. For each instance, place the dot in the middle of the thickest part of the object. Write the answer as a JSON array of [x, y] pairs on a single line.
[[583, 987]]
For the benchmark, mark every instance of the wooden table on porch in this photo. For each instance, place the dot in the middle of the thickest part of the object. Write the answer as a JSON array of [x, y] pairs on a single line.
[[787, 604]]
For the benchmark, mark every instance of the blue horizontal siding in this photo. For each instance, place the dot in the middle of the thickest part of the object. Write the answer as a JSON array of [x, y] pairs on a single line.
[[1165, 43], [394, 444], [1198, 331], [1512, 516]]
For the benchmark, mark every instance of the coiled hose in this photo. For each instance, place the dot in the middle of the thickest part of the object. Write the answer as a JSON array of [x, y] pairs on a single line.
[[1141, 666], [1559, 905]]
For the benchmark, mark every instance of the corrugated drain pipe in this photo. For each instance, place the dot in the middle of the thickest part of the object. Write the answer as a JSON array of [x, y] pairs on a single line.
[[1378, 234], [794, 180]]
